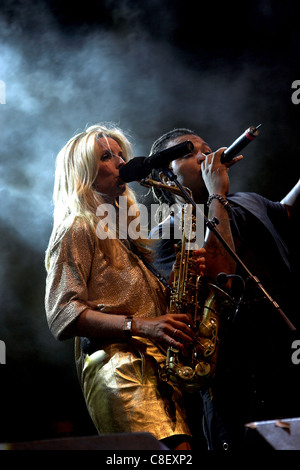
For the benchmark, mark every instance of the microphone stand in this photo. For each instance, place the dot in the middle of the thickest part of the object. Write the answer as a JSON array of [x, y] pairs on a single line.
[[211, 225]]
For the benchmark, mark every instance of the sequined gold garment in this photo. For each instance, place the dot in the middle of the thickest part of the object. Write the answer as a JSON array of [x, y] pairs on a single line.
[[119, 380]]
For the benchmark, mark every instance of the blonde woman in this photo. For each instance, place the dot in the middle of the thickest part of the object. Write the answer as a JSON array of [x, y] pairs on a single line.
[[100, 290]]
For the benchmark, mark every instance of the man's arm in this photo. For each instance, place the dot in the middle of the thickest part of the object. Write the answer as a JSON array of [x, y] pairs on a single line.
[[292, 200]]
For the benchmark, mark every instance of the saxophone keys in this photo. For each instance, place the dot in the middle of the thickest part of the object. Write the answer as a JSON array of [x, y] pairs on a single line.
[[209, 329], [186, 373], [202, 369]]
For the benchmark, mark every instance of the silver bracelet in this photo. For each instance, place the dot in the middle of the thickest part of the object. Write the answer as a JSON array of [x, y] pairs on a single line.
[[221, 199]]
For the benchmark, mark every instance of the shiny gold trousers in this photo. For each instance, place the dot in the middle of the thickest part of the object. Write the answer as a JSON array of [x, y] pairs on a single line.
[[124, 394]]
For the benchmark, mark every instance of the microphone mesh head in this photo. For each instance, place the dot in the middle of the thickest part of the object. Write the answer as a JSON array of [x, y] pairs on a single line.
[[134, 170]]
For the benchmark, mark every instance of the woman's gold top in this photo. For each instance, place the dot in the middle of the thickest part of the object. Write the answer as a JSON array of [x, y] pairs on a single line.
[[119, 380]]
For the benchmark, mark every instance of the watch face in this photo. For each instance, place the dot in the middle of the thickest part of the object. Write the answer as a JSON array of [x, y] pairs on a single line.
[[127, 326]]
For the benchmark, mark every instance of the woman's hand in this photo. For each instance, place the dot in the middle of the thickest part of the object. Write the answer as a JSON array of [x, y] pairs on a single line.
[[169, 330], [199, 258]]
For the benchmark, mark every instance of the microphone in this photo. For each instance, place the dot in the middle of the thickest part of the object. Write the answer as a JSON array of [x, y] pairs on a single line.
[[140, 167], [239, 144], [222, 279]]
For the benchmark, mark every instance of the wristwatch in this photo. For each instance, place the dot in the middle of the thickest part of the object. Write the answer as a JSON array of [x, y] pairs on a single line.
[[127, 327]]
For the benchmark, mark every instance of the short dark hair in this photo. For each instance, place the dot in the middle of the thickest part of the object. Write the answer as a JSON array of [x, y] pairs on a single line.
[[162, 142]]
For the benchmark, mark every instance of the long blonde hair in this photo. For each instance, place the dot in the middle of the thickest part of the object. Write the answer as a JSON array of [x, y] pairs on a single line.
[[74, 195]]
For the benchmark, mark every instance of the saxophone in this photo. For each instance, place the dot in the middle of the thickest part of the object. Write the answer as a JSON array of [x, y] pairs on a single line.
[[206, 303]]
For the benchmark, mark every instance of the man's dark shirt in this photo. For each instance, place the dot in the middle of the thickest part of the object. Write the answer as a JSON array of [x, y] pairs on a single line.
[[253, 366]]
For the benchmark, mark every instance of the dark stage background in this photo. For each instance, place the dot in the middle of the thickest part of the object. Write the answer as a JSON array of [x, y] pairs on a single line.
[[149, 66]]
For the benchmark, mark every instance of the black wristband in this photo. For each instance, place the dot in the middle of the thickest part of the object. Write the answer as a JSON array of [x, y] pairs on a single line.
[[221, 199], [127, 327]]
